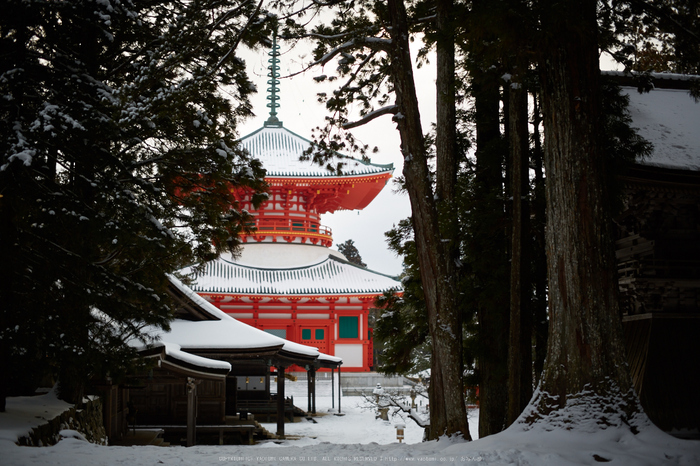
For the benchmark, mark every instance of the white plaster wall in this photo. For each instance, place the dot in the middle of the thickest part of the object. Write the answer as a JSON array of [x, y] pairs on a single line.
[[351, 354], [283, 255]]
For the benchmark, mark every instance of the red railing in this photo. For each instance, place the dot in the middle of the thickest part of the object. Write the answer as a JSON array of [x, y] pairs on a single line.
[[293, 226]]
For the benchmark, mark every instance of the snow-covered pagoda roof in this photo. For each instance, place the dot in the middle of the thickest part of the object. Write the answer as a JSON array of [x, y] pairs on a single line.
[[279, 150], [331, 276]]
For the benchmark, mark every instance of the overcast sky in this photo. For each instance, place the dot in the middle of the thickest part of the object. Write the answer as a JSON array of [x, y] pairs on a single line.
[[300, 112]]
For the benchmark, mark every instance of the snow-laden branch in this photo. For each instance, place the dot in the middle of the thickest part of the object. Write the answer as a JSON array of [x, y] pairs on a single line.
[[383, 399], [422, 422], [393, 109], [375, 43]]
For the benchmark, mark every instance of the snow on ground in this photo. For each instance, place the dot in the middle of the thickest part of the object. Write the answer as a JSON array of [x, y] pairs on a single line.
[[358, 438], [26, 412]]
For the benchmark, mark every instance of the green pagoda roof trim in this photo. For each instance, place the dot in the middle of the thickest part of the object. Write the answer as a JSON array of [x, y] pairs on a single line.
[[273, 82]]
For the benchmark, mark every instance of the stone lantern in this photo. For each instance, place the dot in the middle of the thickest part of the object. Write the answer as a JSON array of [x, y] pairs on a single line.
[[378, 392], [399, 431]]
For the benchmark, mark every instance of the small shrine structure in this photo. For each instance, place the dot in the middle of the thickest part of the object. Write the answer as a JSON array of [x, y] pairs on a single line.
[[287, 281], [658, 252]]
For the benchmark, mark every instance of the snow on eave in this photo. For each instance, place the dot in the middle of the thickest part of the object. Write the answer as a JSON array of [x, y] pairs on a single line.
[[198, 300], [299, 349], [328, 358], [279, 151], [660, 76], [173, 351]]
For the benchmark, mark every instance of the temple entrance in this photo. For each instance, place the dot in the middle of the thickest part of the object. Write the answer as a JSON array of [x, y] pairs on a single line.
[[316, 336]]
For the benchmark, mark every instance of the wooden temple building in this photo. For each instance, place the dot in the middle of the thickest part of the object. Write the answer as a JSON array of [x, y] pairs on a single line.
[[212, 372], [658, 254], [287, 281]]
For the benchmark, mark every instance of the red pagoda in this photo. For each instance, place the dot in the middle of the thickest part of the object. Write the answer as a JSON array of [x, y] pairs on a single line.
[[287, 281]]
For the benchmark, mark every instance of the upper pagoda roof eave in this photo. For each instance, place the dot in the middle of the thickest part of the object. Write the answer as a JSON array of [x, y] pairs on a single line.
[[294, 168], [385, 174]]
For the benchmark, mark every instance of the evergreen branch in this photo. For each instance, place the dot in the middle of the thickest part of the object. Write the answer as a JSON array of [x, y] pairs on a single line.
[[374, 43], [238, 38], [393, 109], [660, 13]]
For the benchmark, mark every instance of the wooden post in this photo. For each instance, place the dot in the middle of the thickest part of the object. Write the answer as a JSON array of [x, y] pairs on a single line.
[[191, 411], [340, 389], [280, 401], [313, 390], [332, 388], [231, 389], [308, 390]]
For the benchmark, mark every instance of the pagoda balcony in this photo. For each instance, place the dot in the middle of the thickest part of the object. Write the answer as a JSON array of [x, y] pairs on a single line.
[[291, 230]]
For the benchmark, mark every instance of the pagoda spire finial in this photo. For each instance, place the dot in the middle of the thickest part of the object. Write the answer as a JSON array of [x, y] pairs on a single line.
[[273, 82]]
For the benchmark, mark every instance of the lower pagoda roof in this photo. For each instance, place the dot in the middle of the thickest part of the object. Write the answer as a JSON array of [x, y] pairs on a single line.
[[331, 276]]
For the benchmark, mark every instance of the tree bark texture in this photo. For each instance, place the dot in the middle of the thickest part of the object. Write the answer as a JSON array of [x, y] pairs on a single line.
[[520, 348], [539, 312], [489, 257], [446, 118], [447, 408], [585, 369]]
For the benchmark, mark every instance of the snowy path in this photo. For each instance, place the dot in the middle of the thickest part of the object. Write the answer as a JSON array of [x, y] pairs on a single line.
[[359, 438]]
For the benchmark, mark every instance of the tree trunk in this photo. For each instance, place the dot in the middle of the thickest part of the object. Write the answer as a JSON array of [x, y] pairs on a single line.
[[447, 408], [446, 118], [539, 312], [585, 371], [520, 348], [489, 257]]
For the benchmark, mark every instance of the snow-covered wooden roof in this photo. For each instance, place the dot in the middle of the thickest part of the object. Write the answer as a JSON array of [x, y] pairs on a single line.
[[331, 276], [667, 116], [220, 333], [172, 357], [224, 333], [670, 120], [279, 151]]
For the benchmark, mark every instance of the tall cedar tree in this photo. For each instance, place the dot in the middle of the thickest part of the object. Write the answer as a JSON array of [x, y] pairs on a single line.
[[372, 40], [515, 31], [487, 251], [117, 163], [585, 369], [349, 250]]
